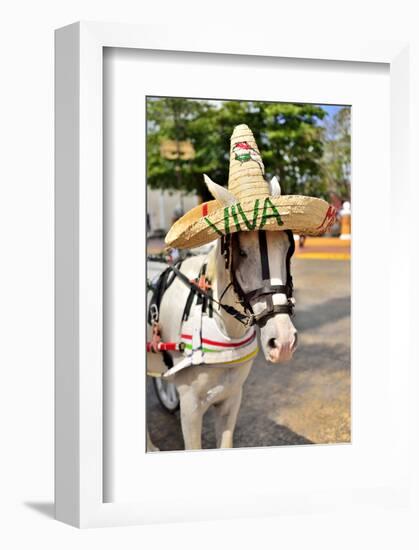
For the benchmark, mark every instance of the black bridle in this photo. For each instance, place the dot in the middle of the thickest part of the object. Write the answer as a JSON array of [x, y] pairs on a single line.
[[230, 248]]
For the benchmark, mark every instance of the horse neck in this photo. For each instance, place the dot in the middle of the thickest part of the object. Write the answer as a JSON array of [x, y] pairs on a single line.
[[220, 277]]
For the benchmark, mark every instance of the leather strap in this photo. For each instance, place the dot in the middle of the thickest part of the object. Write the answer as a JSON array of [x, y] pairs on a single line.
[[264, 258], [241, 317], [267, 288], [261, 319]]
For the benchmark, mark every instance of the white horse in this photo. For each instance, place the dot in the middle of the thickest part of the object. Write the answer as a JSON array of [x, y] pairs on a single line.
[[205, 386]]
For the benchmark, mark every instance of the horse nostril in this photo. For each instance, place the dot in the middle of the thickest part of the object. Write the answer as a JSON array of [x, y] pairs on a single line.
[[271, 343], [294, 345]]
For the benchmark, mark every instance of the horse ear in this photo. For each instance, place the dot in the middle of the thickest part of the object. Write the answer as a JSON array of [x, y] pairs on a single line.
[[222, 194], [275, 187]]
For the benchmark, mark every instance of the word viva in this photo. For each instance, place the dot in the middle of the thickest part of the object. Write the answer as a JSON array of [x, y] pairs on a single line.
[[234, 215]]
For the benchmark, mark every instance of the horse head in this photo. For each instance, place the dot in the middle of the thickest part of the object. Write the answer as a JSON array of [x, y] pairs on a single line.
[[260, 269]]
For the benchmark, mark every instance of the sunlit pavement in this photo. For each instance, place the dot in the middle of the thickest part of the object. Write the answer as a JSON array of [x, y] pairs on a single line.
[[323, 248], [304, 401]]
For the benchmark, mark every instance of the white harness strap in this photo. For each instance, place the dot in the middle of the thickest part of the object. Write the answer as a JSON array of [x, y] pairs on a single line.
[[196, 352], [205, 344]]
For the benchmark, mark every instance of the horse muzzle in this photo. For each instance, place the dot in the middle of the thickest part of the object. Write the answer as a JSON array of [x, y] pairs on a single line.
[[279, 339]]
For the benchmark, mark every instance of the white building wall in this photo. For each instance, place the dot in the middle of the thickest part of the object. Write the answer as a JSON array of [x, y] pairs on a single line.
[[161, 207]]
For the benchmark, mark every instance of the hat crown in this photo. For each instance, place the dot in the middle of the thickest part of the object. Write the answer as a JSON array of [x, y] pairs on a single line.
[[246, 177]]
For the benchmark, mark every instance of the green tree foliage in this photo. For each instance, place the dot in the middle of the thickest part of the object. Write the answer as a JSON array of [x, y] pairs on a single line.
[[293, 146], [175, 119], [337, 154], [290, 138]]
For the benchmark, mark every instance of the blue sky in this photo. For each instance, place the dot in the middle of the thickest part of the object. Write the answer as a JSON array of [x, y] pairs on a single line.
[[332, 109]]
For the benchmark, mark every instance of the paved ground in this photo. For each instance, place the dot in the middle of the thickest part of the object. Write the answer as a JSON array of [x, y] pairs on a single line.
[[305, 401]]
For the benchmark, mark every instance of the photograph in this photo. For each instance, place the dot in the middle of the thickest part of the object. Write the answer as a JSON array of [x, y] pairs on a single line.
[[248, 227]]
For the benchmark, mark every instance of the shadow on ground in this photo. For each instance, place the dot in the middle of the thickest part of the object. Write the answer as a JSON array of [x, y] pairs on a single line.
[[320, 314], [44, 508]]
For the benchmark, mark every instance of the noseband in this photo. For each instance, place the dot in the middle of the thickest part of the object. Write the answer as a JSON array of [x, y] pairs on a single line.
[[229, 248]]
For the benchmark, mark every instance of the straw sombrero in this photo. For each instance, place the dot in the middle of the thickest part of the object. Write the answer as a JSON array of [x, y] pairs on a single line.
[[250, 203]]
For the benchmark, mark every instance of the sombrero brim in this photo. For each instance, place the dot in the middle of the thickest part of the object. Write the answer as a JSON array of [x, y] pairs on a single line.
[[210, 220]]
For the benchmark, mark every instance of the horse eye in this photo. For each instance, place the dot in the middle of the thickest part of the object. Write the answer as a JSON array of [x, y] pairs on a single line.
[[242, 253]]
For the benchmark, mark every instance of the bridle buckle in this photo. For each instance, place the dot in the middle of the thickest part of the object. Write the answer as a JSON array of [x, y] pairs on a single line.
[[154, 313]]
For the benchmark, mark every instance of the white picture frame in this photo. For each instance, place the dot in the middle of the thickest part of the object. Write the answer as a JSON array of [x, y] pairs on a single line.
[[79, 259]]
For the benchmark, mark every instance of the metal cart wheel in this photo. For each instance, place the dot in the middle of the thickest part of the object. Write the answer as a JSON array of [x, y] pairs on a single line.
[[167, 394]]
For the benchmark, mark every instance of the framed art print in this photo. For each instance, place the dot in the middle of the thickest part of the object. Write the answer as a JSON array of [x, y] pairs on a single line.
[[224, 216]]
